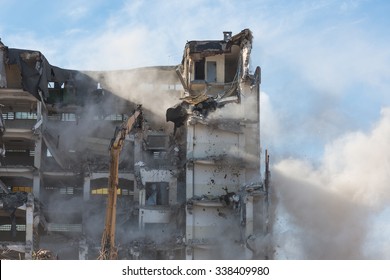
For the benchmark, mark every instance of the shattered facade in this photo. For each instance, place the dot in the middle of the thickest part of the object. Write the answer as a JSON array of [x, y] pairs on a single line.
[[190, 183]]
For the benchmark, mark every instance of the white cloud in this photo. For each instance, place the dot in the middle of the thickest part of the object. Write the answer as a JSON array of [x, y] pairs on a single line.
[[77, 12], [346, 6], [113, 49], [332, 57], [140, 34]]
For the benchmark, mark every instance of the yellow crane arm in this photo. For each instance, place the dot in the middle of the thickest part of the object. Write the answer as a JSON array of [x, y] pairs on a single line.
[[108, 249]]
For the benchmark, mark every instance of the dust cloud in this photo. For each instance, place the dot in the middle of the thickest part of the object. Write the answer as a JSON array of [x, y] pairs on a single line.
[[334, 210], [155, 89]]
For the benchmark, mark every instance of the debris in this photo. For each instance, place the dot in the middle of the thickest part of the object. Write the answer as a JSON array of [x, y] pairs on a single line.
[[12, 201], [42, 254]]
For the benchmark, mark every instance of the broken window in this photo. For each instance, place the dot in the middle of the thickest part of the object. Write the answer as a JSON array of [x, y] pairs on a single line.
[[199, 70], [231, 64], [157, 142], [157, 193]]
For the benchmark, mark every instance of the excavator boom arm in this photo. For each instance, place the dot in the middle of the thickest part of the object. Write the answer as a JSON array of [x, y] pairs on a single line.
[[108, 249]]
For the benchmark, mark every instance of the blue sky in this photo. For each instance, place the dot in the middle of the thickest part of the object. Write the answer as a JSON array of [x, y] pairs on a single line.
[[325, 68], [325, 64]]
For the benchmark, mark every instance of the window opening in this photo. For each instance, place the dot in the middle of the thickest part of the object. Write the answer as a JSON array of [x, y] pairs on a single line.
[[199, 70]]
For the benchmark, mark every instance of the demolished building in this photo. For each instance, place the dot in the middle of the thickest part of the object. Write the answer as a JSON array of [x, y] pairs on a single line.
[[190, 181]]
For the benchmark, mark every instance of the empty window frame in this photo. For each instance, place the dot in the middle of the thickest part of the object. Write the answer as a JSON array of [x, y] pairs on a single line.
[[157, 193], [25, 116], [199, 70]]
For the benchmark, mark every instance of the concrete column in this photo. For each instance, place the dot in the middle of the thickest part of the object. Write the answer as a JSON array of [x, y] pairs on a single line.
[[189, 234], [142, 197], [190, 189], [249, 223], [38, 141], [39, 110], [83, 249], [83, 246], [173, 191], [29, 226], [36, 185], [36, 236], [142, 194], [141, 224], [139, 191], [138, 157], [249, 216], [190, 166], [243, 155], [138, 150], [87, 188], [135, 191], [37, 159]]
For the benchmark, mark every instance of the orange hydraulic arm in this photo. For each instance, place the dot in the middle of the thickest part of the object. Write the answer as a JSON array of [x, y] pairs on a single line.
[[108, 249]]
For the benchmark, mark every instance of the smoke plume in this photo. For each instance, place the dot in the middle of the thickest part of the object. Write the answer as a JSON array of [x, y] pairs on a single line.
[[335, 210]]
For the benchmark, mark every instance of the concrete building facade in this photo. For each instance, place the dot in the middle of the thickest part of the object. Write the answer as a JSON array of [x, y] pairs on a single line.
[[190, 178]]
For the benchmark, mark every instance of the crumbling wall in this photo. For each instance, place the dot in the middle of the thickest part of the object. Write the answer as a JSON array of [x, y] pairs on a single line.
[[197, 187], [226, 208]]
